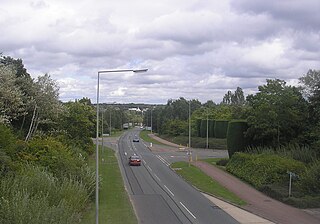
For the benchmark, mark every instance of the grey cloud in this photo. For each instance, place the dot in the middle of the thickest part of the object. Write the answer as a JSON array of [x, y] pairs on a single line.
[[299, 14]]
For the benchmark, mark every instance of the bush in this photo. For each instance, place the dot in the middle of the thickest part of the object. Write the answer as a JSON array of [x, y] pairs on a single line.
[[7, 139], [263, 169], [34, 195], [59, 160], [222, 162], [310, 180], [301, 153], [236, 141], [220, 128]]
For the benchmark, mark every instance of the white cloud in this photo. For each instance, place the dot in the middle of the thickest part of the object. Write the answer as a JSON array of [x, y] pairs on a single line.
[[196, 49]]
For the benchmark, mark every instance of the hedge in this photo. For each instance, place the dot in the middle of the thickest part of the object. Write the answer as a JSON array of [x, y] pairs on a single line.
[[263, 169], [198, 123], [236, 141], [221, 128], [203, 129], [211, 128]]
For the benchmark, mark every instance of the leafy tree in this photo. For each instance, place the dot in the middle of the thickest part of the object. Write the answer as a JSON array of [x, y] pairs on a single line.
[[47, 106], [11, 104], [78, 122], [310, 82], [176, 127], [236, 98], [311, 86], [277, 113]]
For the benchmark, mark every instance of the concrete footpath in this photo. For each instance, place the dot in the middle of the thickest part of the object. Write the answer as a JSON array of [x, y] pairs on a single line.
[[260, 208]]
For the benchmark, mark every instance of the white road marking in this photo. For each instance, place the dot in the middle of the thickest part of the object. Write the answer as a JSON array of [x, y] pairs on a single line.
[[149, 168], [163, 160], [144, 162], [169, 190], [188, 210], [157, 177]]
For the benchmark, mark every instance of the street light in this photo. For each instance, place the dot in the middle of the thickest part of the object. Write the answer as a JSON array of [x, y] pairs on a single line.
[[97, 132], [189, 123]]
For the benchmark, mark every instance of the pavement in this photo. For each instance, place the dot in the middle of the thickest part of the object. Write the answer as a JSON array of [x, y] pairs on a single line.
[[260, 208]]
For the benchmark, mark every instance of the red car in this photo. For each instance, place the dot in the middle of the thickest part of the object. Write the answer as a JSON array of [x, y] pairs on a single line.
[[134, 160]]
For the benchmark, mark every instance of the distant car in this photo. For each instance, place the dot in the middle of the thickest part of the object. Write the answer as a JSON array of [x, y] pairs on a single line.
[[134, 160], [136, 139]]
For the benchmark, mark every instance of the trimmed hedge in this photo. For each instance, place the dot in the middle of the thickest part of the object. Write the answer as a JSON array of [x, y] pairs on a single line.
[[198, 124], [211, 128], [221, 128], [236, 141], [263, 169], [203, 129]]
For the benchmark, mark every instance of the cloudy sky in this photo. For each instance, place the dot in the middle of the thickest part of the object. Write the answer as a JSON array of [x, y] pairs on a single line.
[[192, 48]]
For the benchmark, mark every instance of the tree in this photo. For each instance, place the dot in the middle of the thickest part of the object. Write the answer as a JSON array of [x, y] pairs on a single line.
[[78, 122], [311, 87], [277, 113], [310, 82], [46, 105], [236, 98], [11, 104]]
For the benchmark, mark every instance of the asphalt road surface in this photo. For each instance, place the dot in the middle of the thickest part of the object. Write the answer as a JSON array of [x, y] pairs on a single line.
[[159, 195]]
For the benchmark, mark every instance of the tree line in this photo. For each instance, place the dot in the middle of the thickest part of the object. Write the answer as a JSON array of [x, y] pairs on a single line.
[[276, 114]]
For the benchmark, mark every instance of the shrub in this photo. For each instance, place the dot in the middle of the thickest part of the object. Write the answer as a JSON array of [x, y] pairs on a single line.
[[310, 180], [263, 169], [7, 139], [236, 141], [34, 195], [59, 160], [222, 162], [301, 153], [220, 128]]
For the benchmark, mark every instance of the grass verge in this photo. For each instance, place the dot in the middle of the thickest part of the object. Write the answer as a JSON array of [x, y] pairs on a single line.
[[144, 135], [197, 142], [205, 183], [114, 204]]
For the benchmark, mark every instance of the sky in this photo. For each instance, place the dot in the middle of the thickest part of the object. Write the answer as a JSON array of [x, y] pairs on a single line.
[[192, 48]]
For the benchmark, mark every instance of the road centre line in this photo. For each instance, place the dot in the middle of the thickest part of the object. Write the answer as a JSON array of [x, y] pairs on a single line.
[[169, 190], [187, 210]]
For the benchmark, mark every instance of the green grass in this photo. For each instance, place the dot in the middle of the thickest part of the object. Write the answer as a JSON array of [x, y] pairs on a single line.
[[146, 138], [197, 142], [212, 161], [114, 204], [205, 183], [117, 133]]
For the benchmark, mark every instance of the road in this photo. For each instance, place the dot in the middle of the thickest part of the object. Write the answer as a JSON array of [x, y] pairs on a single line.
[[158, 194]]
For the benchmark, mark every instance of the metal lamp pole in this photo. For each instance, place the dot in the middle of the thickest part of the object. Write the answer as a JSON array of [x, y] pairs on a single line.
[[151, 120], [97, 132], [189, 124]]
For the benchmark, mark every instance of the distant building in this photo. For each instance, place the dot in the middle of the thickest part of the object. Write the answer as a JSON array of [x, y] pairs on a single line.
[[137, 109]]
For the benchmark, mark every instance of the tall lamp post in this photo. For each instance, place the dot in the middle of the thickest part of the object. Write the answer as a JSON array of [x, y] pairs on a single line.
[[189, 123], [97, 132]]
